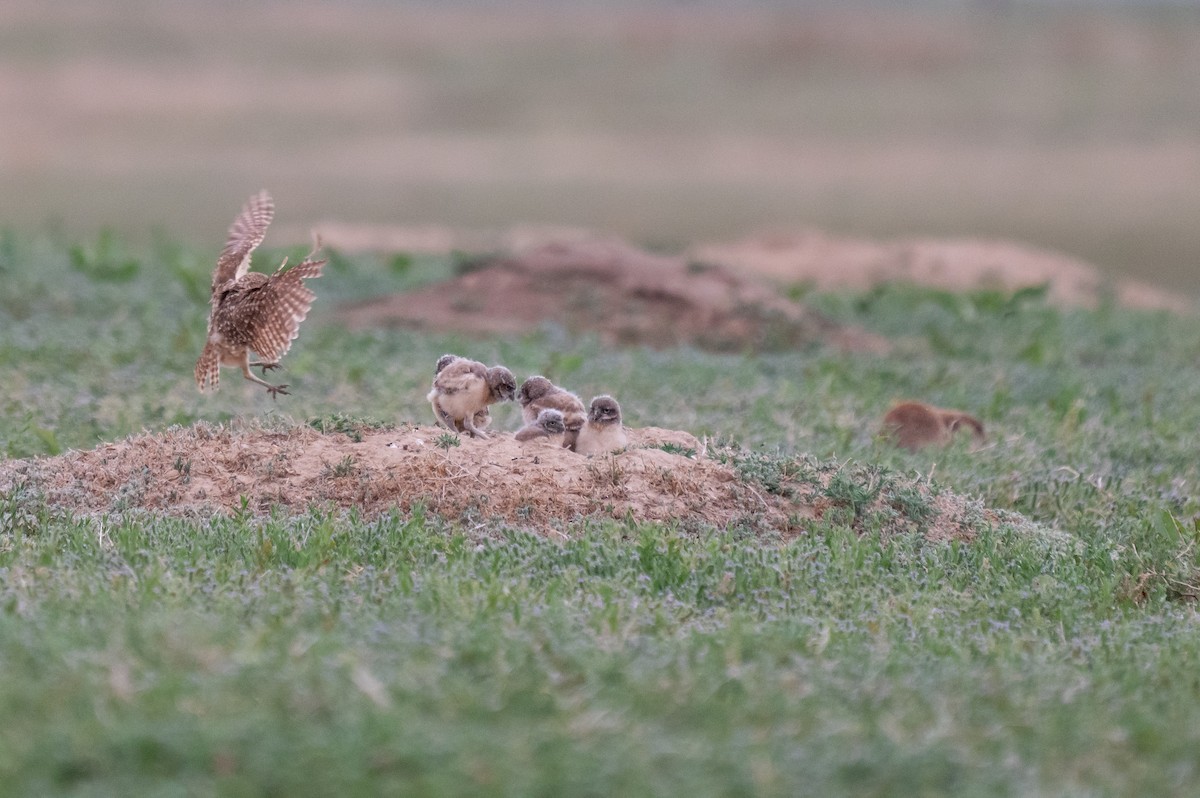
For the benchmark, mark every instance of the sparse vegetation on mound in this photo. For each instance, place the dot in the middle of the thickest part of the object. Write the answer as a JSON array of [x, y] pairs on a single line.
[[664, 476]]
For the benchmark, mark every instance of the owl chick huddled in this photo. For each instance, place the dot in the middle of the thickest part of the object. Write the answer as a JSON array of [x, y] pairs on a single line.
[[547, 427], [602, 431], [538, 394]]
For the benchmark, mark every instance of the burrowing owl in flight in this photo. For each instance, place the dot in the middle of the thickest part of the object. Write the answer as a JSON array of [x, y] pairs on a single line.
[[253, 310]]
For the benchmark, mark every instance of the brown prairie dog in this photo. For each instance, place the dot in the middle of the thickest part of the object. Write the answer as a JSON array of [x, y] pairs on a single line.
[[913, 425]]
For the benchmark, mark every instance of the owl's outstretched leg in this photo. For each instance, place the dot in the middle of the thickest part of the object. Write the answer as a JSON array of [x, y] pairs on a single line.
[[274, 390]]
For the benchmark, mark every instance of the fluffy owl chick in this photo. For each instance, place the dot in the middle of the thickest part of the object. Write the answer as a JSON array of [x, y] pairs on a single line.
[[463, 388], [913, 425], [482, 418], [548, 425], [603, 430], [253, 310], [538, 394]]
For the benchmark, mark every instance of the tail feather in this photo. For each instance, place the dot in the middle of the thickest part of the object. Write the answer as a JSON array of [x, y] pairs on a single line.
[[208, 369]]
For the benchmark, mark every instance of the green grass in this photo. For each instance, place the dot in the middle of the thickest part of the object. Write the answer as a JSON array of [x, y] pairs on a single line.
[[334, 654]]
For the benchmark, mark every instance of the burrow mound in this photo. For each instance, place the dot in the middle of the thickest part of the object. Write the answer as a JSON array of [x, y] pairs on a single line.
[[663, 476], [830, 262], [623, 294]]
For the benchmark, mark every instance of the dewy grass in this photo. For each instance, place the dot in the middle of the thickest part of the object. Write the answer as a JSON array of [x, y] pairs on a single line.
[[1050, 651]]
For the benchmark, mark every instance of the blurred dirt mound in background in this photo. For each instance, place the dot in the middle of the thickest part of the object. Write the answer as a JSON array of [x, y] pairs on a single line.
[[663, 476], [829, 262], [625, 295]]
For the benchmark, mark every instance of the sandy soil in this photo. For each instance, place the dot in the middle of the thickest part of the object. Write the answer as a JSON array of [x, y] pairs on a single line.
[[721, 296], [625, 295], [664, 476], [831, 262]]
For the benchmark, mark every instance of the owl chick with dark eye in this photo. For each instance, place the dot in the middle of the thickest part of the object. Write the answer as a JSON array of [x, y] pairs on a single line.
[[603, 431], [538, 394], [253, 310], [548, 426], [462, 391]]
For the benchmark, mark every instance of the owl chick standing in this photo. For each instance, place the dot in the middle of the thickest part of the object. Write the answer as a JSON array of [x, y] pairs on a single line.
[[253, 310], [463, 389]]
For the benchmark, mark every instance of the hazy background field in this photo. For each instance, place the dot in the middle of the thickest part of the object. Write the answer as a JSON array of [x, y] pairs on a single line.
[[293, 646], [1073, 127]]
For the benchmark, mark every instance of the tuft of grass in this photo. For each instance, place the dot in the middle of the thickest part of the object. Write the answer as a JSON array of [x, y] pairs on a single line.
[[351, 426], [104, 261], [447, 440], [345, 467], [675, 448], [606, 472]]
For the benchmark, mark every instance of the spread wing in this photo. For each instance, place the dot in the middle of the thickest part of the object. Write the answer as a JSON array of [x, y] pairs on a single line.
[[245, 234], [285, 305], [264, 313]]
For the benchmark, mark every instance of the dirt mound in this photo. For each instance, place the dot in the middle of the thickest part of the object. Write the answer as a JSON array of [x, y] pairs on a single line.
[[204, 469], [830, 262], [625, 295], [663, 476]]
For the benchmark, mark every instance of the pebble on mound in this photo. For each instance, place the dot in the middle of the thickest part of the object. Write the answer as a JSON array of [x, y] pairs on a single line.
[[623, 294], [663, 476]]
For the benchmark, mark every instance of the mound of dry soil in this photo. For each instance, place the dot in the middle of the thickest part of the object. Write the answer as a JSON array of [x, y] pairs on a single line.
[[625, 295], [720, 296], [663, 476], [833, 262]]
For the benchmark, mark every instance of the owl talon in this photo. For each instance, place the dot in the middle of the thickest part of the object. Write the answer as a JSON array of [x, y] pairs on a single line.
[[275, 390]]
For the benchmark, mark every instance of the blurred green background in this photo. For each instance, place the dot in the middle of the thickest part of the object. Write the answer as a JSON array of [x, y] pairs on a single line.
[[1071, 126]]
